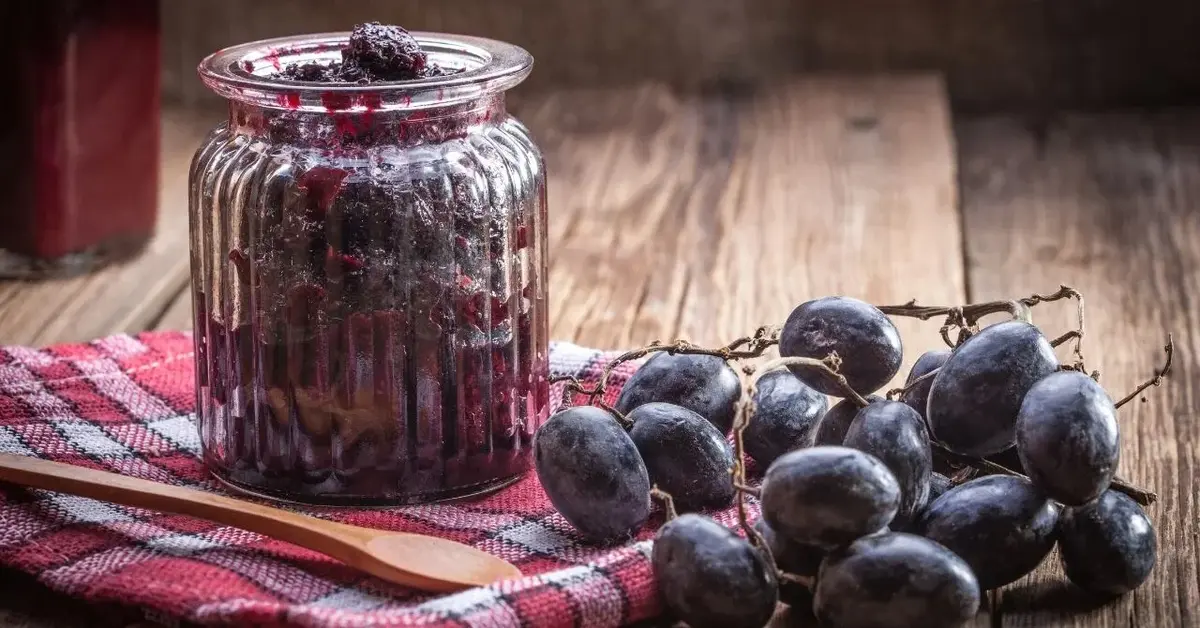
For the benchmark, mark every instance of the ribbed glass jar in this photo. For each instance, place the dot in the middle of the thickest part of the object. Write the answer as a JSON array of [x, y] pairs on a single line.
[[369, 276]]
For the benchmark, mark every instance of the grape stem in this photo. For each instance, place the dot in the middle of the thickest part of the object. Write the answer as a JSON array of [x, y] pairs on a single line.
[[667, 500], [896, 393], [1157, 380], [965, 317], [752, 346], [1141, 496]]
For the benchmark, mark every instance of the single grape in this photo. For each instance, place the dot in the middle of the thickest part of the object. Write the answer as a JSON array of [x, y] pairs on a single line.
[[917, 397], [898, 580], [684, 454], [828, 496], [977, 393], [896, 435], [863, 337], [704, 384], [1002, 526], [592, 473], [785, 412], [832, 428], [1107, 546], [709, 576], [1067, 437]]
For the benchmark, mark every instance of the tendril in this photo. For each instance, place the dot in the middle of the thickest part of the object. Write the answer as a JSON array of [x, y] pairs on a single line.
[[1157, 379]]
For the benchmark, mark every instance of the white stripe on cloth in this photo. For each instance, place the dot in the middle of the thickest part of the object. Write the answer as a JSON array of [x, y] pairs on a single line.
[[120, 346], [90, 439], [569, 359], [180, 431], [118, 386]]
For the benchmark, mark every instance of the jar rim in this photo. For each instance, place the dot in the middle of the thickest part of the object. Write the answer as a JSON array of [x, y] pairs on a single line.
[[245, 72]]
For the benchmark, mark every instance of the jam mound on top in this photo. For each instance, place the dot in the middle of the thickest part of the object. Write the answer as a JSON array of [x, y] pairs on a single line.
[[376, 53]]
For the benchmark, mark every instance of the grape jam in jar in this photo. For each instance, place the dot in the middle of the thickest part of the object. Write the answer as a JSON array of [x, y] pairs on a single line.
[[368, 241]]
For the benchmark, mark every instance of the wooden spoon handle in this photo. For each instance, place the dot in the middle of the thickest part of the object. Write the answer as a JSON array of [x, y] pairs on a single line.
[[120, 489], [349, 544]]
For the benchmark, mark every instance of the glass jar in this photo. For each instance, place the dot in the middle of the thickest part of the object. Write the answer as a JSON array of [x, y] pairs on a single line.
[[369, 275], [80, 141]]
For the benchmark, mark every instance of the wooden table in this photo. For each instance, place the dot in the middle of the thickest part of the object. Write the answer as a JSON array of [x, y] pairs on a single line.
[[705, 215]]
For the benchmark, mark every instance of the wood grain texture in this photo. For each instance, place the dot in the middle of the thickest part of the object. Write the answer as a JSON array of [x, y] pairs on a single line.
[[706, 216], [125, 297], [996, 54], [1105, 203]]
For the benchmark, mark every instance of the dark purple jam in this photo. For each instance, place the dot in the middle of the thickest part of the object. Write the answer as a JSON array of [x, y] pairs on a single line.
[[375, 53], [370, 293]]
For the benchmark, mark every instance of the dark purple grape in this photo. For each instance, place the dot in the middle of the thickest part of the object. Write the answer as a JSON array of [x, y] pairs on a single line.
[[1108, 546], [685, 455], [785, 412], [832, 428], [709, 576], [1067, 437], [917, 397], [592, 473], [1003, 526], [828, 496], [704, 384], [896, 435], [791, 557], [862, 336], [977, 393], [895, 579]]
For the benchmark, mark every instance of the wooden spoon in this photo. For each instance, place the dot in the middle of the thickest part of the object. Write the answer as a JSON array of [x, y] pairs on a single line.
[[423, 562]]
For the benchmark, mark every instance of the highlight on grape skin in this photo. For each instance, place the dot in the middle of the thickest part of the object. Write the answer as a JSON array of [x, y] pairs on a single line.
[[849, 490]]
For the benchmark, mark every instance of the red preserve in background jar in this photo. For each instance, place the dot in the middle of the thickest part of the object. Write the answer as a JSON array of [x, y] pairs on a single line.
[[79, 145]]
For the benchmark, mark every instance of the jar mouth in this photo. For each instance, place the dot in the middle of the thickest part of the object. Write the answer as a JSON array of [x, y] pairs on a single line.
[[247, 73]]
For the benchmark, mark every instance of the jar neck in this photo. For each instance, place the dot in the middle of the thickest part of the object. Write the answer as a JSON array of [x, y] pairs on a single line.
[[352, 124]]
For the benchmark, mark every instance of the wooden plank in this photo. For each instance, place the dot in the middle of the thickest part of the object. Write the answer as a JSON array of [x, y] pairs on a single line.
[[706, 216], [1106, 204], [838, 186], [122, 298]]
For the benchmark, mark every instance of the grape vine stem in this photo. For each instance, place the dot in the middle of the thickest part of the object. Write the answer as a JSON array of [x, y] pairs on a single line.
[[965, 317], [1159, 375]]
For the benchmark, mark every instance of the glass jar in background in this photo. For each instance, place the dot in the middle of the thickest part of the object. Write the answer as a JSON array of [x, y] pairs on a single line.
[[369, 267], [79, 147]]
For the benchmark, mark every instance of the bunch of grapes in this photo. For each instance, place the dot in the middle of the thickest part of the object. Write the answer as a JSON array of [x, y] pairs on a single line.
[[895, 509]]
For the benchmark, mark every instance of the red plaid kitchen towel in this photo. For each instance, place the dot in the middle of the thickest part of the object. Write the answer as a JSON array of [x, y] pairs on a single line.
[[124, 404]]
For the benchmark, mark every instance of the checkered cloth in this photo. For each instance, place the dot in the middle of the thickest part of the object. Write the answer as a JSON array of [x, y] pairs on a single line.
[[125, 404]]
